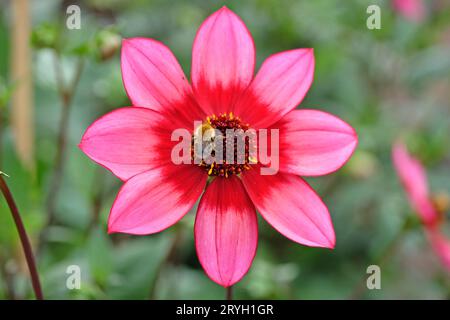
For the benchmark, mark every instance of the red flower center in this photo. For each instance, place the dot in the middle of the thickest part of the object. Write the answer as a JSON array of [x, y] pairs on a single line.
[[213, 135]]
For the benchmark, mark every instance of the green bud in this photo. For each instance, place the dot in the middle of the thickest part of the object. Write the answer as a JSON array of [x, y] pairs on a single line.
[[45, 35]]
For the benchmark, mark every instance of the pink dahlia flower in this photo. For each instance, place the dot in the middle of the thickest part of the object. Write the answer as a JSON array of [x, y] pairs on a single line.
[[135, 144], [413, 178]]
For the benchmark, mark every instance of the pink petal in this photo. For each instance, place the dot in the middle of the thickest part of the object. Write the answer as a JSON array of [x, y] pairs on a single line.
[[128, 141], [151, 74], [314, 142], [154, 200], [441, 246], [280, 85], [226, 231], [153, 79], [413, 178], [223, 61], [291, 206]]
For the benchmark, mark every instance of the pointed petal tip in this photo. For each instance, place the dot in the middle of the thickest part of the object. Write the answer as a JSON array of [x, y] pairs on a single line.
[[355, 135], [226, 284], [225, 9], [82, 144], [327, 242], [332, 244], [126, 42], [354, 144], [111, 227]]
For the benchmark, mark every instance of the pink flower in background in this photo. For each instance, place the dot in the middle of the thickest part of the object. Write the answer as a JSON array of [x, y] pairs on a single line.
[[414, 180], [413, 10], [135, 144]]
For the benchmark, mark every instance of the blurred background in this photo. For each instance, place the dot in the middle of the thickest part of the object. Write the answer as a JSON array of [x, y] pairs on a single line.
[[387, 83]]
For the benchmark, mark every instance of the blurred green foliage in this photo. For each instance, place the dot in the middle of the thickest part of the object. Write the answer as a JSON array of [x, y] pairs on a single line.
[[388, 83]]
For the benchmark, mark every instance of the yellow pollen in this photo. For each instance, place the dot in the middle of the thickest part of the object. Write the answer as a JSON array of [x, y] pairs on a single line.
[[252, 159], [211, 169]]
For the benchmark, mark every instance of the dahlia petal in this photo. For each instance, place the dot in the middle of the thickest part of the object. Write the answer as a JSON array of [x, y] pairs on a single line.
[[153, 79], [279, 86], [226, 231], [314, 142], [154, 200], [441, 247], [223, 61], [413, 178], [291, 206], [128, 141], [151, 74]]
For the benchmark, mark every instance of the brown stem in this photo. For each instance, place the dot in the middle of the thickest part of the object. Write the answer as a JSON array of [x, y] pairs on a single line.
[[23, 239], [66, 94], [229, 295]]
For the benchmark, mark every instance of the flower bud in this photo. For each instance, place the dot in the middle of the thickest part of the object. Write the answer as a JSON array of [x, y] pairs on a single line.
[[45, 36], [107, 43]]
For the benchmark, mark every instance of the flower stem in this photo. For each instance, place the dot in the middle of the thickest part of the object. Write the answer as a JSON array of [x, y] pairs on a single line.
[[23, 238], [229, 295]]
